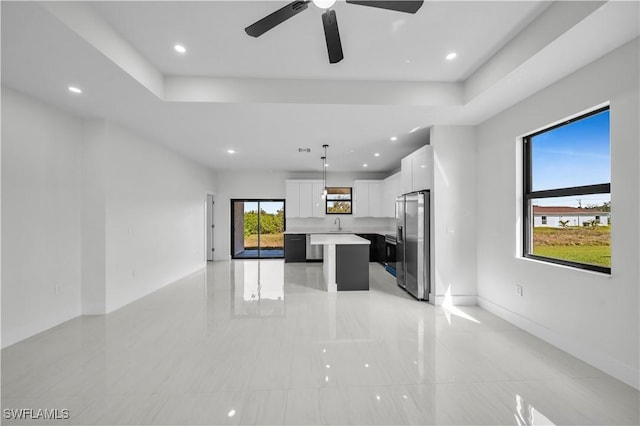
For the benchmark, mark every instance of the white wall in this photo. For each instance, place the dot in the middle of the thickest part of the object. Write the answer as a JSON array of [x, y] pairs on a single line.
[[93, 216], [93, 261], [154, 216], [593, 316], [271, 184], [40, 217], [454, 214]]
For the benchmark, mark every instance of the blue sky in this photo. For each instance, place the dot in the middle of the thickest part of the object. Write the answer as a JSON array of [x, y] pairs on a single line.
[[573, 155]]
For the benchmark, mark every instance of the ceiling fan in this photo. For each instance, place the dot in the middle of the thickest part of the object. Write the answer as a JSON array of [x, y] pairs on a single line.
[[329, 21]]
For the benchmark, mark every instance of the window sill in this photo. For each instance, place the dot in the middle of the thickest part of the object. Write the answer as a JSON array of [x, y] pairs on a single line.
[[567, 267]]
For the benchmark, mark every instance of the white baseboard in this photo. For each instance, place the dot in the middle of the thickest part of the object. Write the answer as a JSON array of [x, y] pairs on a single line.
[[461, 300], [609, 365]]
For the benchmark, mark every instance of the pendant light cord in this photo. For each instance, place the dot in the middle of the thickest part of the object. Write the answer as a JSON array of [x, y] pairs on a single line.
[[324, 171]]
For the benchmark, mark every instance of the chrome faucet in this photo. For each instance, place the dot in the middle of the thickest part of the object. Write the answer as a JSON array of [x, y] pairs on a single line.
[[338, 222]]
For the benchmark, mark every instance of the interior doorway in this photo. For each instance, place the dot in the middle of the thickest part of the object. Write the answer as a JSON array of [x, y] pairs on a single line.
[[257, 229], [210, 227]]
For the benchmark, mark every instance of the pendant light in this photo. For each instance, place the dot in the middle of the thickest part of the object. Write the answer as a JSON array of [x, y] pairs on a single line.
[[324, 172]]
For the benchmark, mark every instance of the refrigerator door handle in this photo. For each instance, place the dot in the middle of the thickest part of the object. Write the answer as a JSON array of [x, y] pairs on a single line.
[[400, 236]]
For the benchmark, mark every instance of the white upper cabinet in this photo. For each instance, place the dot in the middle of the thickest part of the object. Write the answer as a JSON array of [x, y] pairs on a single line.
[[292, 206], [406, 170], [318, 203], [375, 198], [417, 170], [304, 198], [391, 188], [367, 198], [422, 168]]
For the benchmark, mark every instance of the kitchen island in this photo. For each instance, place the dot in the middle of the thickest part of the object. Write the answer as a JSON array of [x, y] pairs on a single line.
[[345, 261]]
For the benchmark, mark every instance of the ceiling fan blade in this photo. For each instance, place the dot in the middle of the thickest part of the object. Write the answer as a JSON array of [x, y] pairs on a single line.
[[332, 36], [398, 5], [279, 16]]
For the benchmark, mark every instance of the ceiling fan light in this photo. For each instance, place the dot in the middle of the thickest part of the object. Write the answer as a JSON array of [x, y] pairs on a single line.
[[324, 4]]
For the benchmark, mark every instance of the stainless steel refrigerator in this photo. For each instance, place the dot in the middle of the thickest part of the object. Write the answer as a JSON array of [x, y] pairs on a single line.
[[413, 253]]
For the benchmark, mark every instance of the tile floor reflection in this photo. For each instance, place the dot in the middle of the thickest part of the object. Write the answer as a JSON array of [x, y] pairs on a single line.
[[259, 342]]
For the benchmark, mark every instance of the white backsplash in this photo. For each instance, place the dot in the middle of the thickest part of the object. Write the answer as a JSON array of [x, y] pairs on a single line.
[[360, 224]]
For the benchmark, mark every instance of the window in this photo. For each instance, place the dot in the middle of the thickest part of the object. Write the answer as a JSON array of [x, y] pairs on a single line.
[[338, 200], [567, 176]]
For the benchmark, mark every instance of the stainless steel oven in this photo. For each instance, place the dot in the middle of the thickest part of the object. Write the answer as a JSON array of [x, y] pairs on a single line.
[[390, 251]]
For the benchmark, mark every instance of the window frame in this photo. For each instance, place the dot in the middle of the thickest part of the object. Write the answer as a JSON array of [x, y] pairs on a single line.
[[529, 195], [350, 200]]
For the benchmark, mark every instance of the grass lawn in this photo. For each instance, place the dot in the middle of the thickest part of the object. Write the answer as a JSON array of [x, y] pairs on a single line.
[[271, 241], [593, 255], [582, 244]]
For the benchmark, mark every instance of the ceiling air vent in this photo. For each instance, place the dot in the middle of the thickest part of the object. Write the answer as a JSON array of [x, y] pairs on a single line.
[[304, 149]]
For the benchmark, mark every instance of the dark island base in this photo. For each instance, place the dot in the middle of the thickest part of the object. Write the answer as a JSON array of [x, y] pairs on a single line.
[[352, 267]]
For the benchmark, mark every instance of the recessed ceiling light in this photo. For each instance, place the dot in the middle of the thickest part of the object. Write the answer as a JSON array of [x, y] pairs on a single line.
[[231, 151], [451, 56], [365, 165], [326, 164], [324, 4], [377, 154], [74, 89], [180, 48], [394, 138]]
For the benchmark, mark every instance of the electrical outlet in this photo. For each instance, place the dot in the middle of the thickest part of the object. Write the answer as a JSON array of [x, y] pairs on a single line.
[[58, 288], [519, 290], [133, 273]]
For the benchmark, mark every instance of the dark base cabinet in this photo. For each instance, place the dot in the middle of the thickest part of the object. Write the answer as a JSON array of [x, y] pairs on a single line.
[[376, 248], [295, 249], [382, 249]]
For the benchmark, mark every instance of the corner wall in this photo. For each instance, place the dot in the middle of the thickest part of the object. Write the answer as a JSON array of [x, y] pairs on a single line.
[[41, 242], [592, 316], [154, 214], [93, 216], [453, 233]]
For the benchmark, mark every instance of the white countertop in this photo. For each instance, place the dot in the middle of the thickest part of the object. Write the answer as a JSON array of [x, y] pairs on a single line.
[[338, 239]]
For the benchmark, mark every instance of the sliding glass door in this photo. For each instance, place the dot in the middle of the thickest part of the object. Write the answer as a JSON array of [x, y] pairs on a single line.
[[257, 228]]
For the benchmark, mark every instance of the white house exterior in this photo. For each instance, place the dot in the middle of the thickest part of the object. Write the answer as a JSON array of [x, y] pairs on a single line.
[[551, 216]]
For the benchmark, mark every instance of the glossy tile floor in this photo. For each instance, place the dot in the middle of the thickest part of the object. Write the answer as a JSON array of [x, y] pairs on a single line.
[[257, 342]]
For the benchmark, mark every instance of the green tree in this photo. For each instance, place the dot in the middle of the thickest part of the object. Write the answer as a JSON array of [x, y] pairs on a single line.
[[340, 207], [270, 223]]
